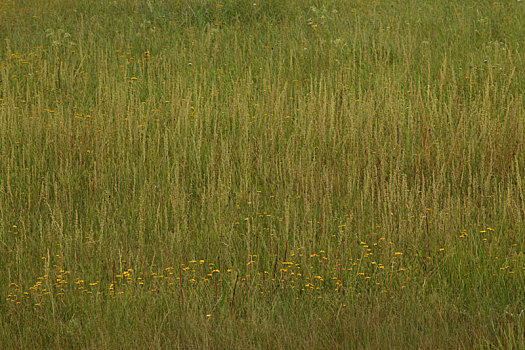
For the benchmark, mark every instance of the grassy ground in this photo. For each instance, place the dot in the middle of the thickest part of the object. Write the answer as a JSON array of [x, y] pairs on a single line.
[[282, 174]]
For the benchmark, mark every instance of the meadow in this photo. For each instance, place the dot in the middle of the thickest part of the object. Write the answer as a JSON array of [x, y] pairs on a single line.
[[262, 174]]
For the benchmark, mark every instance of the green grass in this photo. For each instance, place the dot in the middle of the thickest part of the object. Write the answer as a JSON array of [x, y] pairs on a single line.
[[284, 174]]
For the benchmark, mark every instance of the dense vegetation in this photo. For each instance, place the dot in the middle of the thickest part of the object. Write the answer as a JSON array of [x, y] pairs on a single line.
[[282, 174]]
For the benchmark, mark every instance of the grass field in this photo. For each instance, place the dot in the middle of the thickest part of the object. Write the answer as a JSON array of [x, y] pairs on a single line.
[[273, 174]]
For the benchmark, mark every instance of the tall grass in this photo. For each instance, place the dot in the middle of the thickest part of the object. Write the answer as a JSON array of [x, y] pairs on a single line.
[[270, 175]]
